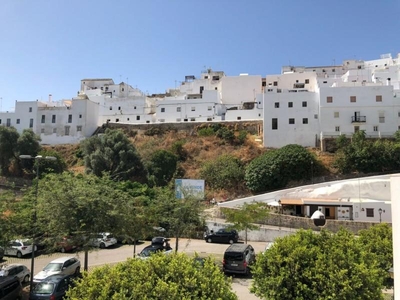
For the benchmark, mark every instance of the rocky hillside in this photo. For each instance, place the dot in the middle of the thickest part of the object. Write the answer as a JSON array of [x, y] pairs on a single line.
[[199, 150]]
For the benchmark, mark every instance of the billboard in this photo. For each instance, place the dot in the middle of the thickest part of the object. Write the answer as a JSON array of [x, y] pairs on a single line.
[[189, 188]]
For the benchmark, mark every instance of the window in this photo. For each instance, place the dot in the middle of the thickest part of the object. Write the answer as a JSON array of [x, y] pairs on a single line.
[[178, 119], [42, 130], [80, 116], [274, 124], [18, 121], [178, 109], [193, 108], [0, 121], [53, 118], [31, 123], [127, 119], [375, 128], [370, 212], [264, 84], [69, 118], [66, 130], [137, 118], [8, 122], [378, 98], [333, 70], [336, 114], [337, 128], [123, 89], [119, 107], [381, 119], [239, 118], [209, 108], [162, 109], [43, 118], [30, 109], [398, 114], [315, 116], [275, 83], [116, 120], [209, 119], [353, 99], [54, 130], [276, 104], [110, 107], [305, 120], [304, 104], [78, 128], [192, 119], [134, 107], [291, 121], [307, 81], [329, 99], [216, 89], [290, 104]]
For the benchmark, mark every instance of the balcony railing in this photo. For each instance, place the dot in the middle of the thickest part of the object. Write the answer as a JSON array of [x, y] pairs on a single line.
[[358, 119]]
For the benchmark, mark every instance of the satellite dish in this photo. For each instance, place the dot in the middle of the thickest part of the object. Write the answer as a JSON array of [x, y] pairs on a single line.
[[319, 218]]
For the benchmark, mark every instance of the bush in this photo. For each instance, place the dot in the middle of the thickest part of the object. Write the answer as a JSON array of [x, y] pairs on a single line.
[[206, 131]]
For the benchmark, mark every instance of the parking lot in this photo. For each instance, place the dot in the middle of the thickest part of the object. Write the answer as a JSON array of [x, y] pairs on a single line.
[[119, 253]]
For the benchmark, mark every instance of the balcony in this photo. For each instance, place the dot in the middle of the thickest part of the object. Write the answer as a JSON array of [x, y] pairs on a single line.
[[358, 119]]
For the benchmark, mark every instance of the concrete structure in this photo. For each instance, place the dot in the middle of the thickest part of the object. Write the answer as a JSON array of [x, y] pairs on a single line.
[[366, 199]]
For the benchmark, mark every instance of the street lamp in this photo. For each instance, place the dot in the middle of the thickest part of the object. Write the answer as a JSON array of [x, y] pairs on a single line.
[[312, 172], [37, 158], [380, 215]]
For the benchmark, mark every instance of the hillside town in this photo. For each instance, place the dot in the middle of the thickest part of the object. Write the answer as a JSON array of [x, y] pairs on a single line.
[[303, 105]]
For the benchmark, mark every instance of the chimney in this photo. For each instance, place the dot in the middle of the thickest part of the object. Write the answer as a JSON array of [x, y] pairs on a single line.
[[50, 98]]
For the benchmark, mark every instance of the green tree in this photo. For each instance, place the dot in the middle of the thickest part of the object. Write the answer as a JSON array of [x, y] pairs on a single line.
[[379, 241], [307, 265], [275, 168], [225, 171], [7, 219], [245, 217], [174, 276], [8, 146], [162, 166], [113, 153]]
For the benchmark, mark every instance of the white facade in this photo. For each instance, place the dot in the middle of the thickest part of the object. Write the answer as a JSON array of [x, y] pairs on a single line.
[[302, 105]]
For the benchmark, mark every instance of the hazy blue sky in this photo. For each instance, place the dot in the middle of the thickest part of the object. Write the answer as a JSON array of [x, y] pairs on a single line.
[[48, 46]]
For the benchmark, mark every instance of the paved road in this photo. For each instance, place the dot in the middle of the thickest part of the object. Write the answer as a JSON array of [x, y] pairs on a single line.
[[120, 253]]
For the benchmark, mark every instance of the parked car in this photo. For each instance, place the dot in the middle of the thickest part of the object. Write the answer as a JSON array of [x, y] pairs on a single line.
[[66, 244], [221, 236], [16, 270], [19, 248], [158, 244], [62, 265], [1, 253], [53, 287], [104, 240], [10, 288], [238, 258]]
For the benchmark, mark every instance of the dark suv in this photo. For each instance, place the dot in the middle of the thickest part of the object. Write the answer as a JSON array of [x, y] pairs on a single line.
[[10, 288], [221, 236], [238, 258]]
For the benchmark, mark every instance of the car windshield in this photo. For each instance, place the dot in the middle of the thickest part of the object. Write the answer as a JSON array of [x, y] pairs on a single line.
[[44, 288], [53, 267], [233, 256], [27, 242]]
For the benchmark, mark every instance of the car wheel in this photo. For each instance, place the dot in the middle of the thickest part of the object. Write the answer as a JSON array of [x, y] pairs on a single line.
[[19, 254], [209, 240], [26, 279], [77, 271], [102, 245], [231, 241]]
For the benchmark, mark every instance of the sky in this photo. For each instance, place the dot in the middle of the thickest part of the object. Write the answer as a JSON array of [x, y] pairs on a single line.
[[47, 47]]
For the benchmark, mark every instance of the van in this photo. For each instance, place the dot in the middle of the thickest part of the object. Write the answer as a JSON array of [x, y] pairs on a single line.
[[10, 288], [238, 258]]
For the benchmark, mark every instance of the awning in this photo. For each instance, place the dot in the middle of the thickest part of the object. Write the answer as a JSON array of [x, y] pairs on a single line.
[[292, 201]]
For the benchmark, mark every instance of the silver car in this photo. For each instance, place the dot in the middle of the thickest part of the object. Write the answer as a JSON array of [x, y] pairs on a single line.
[[62, 265], [17, 270]]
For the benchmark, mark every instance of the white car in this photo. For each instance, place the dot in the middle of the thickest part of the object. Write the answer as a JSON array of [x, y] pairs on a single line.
[[104, 240], [62, 265], [19, 248], [17, 270]]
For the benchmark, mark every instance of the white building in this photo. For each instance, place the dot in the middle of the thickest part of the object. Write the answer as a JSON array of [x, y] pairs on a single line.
[[307, 105]]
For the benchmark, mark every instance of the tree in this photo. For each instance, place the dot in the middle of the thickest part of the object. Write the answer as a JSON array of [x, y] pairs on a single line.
[[307, 265], [244, 217], [8, 145], [162, 166], [225, 171], [113, 153], [174, 276], [178, 216], [379, 241], [7, 210], [274, 169]]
